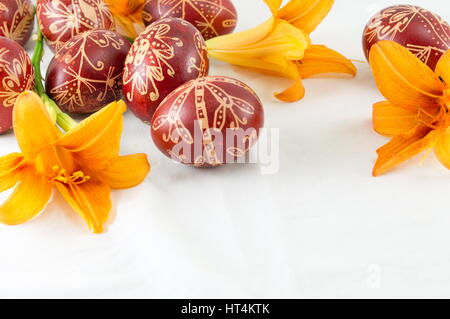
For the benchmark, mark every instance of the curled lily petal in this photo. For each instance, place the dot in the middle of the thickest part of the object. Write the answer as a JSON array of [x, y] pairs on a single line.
[[305, 14], [402, 147], [319, 59], [33, 127], [125, 171], [393, 120], [29, 198], [402, 78], [294, 93]]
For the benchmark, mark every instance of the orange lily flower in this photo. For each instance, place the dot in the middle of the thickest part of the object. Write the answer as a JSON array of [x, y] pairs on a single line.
[[416, 112], [282, 46], [127, 16], [83, 164]]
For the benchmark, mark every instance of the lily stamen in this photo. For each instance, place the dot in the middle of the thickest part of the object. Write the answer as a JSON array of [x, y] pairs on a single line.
[[60, 175], [78, 178]]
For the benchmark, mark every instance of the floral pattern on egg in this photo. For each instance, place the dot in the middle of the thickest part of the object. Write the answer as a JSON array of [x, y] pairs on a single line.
[[422, 32]]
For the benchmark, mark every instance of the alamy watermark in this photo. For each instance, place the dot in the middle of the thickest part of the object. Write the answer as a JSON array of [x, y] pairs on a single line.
[[213, 147]]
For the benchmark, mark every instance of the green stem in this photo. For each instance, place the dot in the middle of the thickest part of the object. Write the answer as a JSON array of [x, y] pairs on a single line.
[[36, 60], [62, 119]]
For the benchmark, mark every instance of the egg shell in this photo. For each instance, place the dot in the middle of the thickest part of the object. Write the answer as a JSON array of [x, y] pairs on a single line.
[[423, 32], [191, 124], [211, 17], [168, 53], [61, 20], [86, 73], [16, 20], [16, 76]]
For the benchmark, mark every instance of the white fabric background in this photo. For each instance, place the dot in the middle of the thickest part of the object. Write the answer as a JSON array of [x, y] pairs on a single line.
[[319, 227]]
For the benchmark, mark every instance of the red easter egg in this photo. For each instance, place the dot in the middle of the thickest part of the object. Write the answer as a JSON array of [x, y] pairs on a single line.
[[168, 53], [208, 122], [86, 73], [61, 20], [16, 20], [16, 76], [422, 32], [211, 17]]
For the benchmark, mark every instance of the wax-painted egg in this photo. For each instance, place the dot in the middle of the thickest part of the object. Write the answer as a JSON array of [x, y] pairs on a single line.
[[424, 33], [208, 122], [16, 76], [61, 20], [211, 17], [168, 53], [86, 73], [16, 20]]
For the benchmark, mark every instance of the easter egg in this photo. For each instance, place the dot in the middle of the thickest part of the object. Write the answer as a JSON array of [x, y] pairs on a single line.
[[422, 32], [61, 20], [211, 17], [208, 122], [16, 20], [16, 76], [86, 73], [167, 54]]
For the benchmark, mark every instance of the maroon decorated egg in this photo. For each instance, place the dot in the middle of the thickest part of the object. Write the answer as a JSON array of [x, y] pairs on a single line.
[[422, 32], [86, 73], [16, 20], [211, 17], [168, 53], [208, 122], [16, 76], [61, 20]]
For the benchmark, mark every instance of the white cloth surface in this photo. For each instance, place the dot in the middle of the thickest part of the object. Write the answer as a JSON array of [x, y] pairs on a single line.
[[321, 226]]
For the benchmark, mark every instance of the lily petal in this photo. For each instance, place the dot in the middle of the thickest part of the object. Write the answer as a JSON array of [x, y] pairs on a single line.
[[402, 148], [96, 140], [402, 78], [295, 93], [443, 67], [442, 147], [306, 14], [11, 170], [127, 8], [274, 5], [393, 120], [33, 127], [29, 198], [275, 66], [242, 38], [125, 171], [125, 27], [90, 200], [271, 48], [319, 59], [127, 16]]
